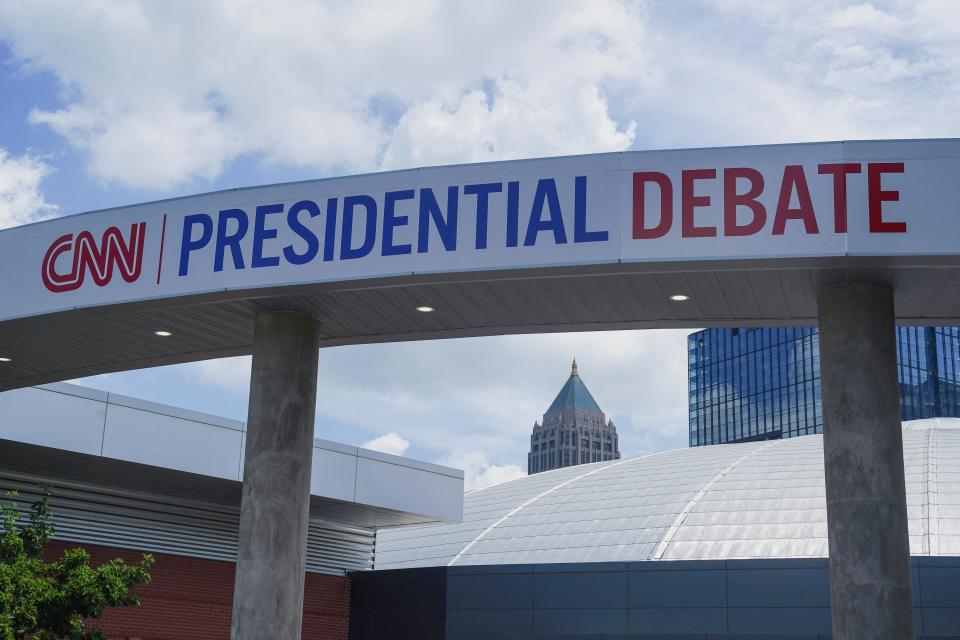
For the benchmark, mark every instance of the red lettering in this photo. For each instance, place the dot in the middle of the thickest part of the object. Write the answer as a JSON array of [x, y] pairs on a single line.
[[839, 171], [876, 196], [99, 261], [794, 180], [732, 200], [640, 178], [689, 201]]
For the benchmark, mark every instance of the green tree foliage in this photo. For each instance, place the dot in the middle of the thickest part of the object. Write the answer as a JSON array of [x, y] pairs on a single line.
[[48, 601]]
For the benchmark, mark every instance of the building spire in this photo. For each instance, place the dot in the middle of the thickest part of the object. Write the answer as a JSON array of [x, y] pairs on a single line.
[[573, 369]]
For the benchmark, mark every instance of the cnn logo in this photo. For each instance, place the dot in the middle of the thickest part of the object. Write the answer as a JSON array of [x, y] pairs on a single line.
[[83, 255]]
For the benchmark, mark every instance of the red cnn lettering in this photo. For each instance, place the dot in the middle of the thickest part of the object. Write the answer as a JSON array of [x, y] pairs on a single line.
[[640, 179], [689, 201], [794, 180], [839, 171], [876, 196], [732, 200], [100, 260]]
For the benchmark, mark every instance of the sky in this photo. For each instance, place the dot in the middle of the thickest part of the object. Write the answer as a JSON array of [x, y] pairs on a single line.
[[109, 103]]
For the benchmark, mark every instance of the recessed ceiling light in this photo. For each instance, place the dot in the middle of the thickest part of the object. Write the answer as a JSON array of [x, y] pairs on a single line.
[[162, 333], [3, 359], [679, 297], [425, 309]]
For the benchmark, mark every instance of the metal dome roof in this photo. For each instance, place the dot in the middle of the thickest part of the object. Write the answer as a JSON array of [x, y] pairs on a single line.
[[749, 500]]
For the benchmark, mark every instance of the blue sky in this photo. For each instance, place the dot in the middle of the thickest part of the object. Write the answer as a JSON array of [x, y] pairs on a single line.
[[69, 184], [108, 103]]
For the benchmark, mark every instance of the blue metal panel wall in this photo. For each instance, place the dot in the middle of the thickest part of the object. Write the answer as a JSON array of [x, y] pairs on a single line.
[[621, 601], [697, 599]]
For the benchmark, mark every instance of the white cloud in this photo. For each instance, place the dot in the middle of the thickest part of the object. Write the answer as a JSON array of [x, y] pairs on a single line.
[[165, 94], [21, 200], [840, 69], [162, 94], [477, 470], [233, 373], [392, 443], [521, 120], [155, 146]]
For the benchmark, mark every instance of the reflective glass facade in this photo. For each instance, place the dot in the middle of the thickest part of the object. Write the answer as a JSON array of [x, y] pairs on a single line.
[[761, 384]]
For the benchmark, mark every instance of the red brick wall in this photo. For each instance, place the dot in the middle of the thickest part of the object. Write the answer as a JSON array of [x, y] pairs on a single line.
[[190, 599]]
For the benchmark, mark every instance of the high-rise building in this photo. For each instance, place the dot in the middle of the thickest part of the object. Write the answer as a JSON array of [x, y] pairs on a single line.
[[574, 431], [763, 384]]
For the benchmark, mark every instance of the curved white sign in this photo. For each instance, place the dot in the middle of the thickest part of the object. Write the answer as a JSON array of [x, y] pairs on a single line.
[[775, 202]]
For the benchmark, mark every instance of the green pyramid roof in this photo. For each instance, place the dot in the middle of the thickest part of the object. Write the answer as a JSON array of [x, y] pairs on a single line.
[[574, 395]]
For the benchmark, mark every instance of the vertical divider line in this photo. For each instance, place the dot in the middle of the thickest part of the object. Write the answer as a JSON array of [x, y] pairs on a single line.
[[163, 241]]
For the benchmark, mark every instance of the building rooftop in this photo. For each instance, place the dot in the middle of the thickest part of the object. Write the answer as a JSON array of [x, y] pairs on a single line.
[[749, 500], [574, 394], [78, 434]]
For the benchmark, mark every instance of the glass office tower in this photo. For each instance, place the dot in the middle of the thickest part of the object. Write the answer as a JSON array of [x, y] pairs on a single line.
[[763, 384]]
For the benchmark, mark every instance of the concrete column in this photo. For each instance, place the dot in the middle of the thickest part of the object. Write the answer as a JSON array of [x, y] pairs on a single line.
[[268, 591], [870, 586]]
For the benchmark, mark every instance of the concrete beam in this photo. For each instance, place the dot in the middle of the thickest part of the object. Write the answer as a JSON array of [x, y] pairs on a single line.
[[268, 591], [870, 586]]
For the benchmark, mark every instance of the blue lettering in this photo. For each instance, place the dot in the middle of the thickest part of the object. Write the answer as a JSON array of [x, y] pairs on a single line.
[[513, 213], [330, 230], [188, 244], [231, 240], [482, 191], [546, 194], [261, 233], [580, 233], [446, 227], [348, 252], [308, 236], [391, 220]]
